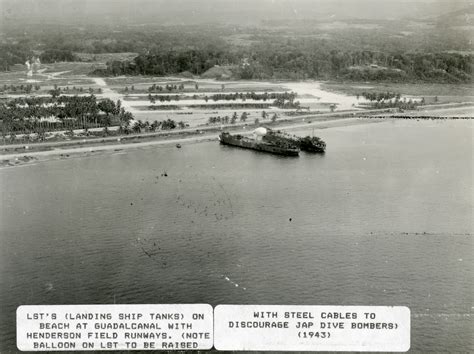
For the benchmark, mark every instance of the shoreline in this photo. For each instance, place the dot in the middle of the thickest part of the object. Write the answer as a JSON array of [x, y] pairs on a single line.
[[191, 130], [13, 155], [32, 157], [428, 111]]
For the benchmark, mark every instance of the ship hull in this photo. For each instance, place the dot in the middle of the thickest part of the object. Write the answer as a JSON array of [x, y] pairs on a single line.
[[246, 143]]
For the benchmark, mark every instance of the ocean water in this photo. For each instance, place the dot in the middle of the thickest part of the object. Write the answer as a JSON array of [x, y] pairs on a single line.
[[385, 217]]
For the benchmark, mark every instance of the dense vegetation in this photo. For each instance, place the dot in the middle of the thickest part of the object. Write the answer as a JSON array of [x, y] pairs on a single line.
[[11, 54], [35, 115], [298, 62], [54, 55], [355, 50], [18, 53]]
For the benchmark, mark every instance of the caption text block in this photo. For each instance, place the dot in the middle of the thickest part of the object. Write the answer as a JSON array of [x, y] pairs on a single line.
[[114, 327], [312, 328]]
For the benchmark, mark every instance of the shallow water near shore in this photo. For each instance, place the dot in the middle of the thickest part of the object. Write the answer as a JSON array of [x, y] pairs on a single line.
[[384, 217]]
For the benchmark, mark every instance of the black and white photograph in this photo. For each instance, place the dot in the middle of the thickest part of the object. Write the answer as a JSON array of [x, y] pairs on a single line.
[[300, 153]]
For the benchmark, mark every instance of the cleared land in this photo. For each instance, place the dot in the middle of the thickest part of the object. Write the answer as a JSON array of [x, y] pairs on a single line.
[[195, 108]]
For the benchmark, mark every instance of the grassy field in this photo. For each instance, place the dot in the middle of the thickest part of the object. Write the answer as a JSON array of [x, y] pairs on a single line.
[[72, 68], [44, 82], [318, 98]]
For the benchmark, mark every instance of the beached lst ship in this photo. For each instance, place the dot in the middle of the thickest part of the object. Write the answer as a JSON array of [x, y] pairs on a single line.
[[279, 148]]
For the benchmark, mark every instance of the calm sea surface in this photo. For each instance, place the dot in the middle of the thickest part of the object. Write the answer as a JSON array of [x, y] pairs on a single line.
[[385, 217]]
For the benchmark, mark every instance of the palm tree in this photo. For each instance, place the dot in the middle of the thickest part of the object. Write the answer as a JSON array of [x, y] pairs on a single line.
[[106, 121], [12, 137], [154, 125], [55, 93], [125, 117], [140, 125], [136, 128]]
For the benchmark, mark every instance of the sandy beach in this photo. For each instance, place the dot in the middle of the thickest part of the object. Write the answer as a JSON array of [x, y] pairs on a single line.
[[27, 157], [58, 150]]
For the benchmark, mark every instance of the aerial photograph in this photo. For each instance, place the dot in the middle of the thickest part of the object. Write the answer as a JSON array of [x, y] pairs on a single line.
[[276, 152]]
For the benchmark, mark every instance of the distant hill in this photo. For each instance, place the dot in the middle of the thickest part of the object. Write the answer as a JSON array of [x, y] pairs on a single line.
[[243, 12], [461, 17]]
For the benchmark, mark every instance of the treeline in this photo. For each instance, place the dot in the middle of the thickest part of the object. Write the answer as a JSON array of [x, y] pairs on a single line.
[[18, 89], [243, 118], [159, 88], [277, 97], [230, 105], [56, 91], [296, 62], [290, 103], [196, 61], [431, 55], [401, 105], [227, 119], [54, 55], [11, 54], [143, 127], [380, 100], [252, 96], [379, 96], [302, 62]]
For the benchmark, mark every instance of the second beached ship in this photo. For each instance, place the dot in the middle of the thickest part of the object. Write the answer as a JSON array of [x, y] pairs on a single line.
[[307, 143]]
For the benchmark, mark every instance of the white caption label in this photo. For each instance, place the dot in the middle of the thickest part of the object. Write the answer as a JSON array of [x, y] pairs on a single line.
[[312, 328], [114, 327]]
